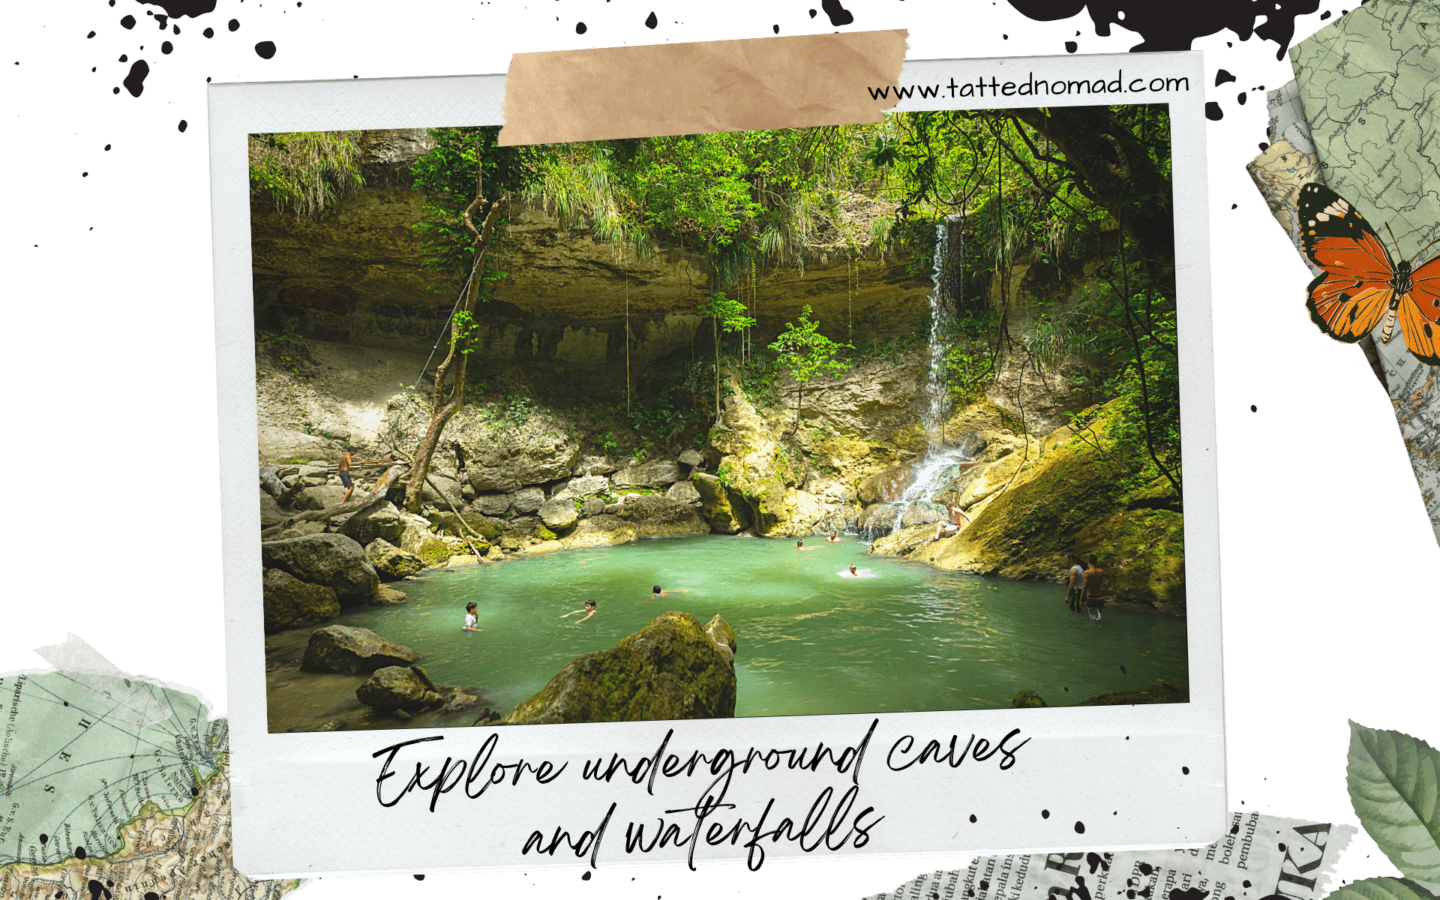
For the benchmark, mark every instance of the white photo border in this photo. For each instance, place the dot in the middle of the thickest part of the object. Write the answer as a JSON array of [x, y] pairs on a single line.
[[306, 805]]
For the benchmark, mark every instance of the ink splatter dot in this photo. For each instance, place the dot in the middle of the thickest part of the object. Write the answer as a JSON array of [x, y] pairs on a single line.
[[107, 146], [1241, 97], [79, 852], [209, 32], [1282, 848], [1213, 112], [1325, 15], [585, 877], [984, 885], [1184, 770], [1079, 827], [1264, 145], [812, 13], [166, 48], [114, 91], [44, 838], [651, 21], [124, 57], [1044, 813], [84, 174], [1235, 829], [1245, 883], [135, 81], [265, 49], [127, 22], [419, 877], [151, 895], [233, 25], [87, 37], [1222, 76], [1071, 46], [97, 890], [580, 28], [973, 820], [1123, 671], [1146, 869], [194, 791], [777, 28], [838, 14]]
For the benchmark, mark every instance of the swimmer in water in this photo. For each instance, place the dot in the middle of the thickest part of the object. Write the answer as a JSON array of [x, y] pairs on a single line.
[[833, 538], [851, 572], [799, 545], [657, 592], [589, 611], [471, 618]]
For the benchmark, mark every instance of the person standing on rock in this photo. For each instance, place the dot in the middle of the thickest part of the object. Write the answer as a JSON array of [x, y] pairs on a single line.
[[347, 459], [953, 526], [1094, 602], [1075, 586]]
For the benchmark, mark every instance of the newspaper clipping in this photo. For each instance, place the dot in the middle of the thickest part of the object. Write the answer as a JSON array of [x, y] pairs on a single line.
[[1260, 857]]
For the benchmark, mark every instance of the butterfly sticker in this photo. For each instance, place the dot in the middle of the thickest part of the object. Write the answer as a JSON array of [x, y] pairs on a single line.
[[1359, 286]]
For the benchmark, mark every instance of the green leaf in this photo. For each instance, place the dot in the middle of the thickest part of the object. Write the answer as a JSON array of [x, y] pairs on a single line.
[[1394, 782], [1381, 889]]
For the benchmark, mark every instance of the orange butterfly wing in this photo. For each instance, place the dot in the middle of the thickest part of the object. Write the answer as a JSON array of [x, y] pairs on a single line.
[[1357, 280], [1353, 290], [1420, 314]]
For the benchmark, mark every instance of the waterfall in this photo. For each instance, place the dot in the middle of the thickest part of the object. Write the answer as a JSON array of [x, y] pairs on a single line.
[[948, 282], [938, 468]]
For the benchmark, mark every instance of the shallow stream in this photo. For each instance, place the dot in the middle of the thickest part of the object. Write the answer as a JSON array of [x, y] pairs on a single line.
[[812, 641]]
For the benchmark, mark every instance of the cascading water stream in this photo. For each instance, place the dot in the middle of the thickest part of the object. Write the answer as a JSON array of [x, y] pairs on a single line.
[[937, 469]]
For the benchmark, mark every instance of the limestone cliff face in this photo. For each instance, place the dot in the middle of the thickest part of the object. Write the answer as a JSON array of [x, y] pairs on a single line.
[[353, 275]]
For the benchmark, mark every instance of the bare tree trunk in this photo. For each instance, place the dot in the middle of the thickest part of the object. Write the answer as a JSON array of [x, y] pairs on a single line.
[[443, 408]]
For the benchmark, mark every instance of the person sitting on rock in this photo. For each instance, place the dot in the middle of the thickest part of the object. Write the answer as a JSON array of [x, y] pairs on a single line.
[[472, 619], [589, 611], [943, 529]]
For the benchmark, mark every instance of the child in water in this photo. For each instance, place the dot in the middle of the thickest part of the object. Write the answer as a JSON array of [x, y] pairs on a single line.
[[472, 619], [589, 611]]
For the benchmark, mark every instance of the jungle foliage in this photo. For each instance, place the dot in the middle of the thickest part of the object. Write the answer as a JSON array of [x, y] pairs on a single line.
[[303, 171]]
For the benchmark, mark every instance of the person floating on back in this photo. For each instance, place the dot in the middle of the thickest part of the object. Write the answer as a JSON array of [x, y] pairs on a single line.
[[943, 529], [1075, 584], [1094, 602], [472, 620], [589, 611]]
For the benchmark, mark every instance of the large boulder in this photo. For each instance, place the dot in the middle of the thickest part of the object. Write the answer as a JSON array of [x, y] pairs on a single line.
[[724, 516], [398, 687], [596, 465], [533, 454], [390, 561], [670, 669], [683, 492], [473, 523], [320, 497], [418, 539], [270, 511], [601, 530], [656, 516], [559, 515], [658, 474], [378, 521], [354, 651], [722, 634], [492, 504], [690, 458], [292, 603], [582, 486], [449, 489], [528, 500], [334, 560]]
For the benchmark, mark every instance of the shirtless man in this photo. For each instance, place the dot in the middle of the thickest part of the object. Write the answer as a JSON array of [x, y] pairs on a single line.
[[347, 459], [833, 538], [1075, 583], [1094, 602], [952, 526]]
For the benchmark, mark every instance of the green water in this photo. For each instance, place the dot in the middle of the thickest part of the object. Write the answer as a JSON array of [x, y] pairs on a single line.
[[811, 641]]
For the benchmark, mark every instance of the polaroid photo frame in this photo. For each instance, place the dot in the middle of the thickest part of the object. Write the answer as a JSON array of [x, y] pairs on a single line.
[[941, 784]]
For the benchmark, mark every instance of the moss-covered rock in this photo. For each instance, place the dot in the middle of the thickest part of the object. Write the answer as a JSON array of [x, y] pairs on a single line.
[[670, 669], [292, 603], [449, 523], [1028, 700], [1159, 691], [716, 507], [398, 687], [390, 561], [341, 648], [1143, 554]]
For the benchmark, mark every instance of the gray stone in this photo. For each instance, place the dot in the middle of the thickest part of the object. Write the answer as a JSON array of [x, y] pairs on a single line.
[[584, 486], [690, 458], [386, 595], [316, 498], [528, 500], [292, 603], [379, 521], [660, 473], [493, 504], [722, 634], [270, 511], [340, 648], [313, 475], [559, 515], [683, 492], [300, 529], [390, 561], [448, 486], [596, 465], [333, 560], [535, 453], [593, 507], [397, 688]]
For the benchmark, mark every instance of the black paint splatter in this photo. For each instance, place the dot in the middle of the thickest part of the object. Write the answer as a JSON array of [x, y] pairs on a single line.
[[1213, 111], [166, 48], [973, 820], [209, 32], [1095, 861], [777, 28], [90, 35], [586, 876], [1240, 98], [128, 22], [1189, 894], [177, 8], [79, 852], [1044, 813], [97, 890], [265, 49], [233, 25], [984, 885], [1079, 827], [194, 792], [151, 895], [1264, 145], [838, 14], [419, 877], [1165, 26], [580, 28], [812, 13], [1184, 770], [1222, 76], [44, 838], [651, 21], [1245, 883], [1147, 869], [1235, 829], [1071, 46]]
